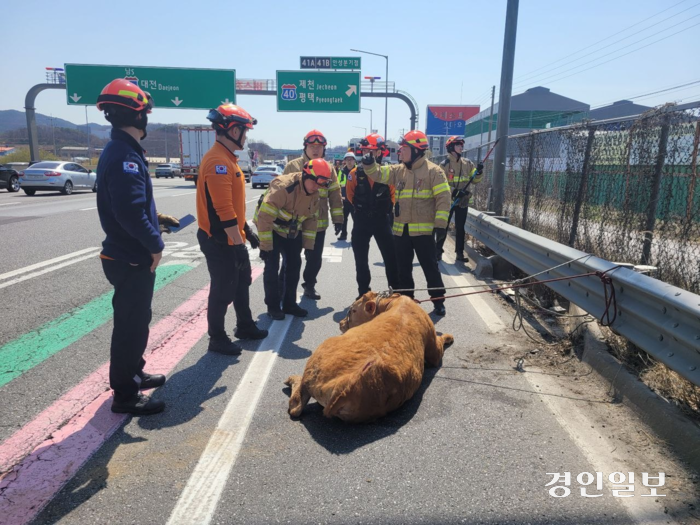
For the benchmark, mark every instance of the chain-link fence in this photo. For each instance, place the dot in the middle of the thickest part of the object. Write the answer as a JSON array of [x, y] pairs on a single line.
[[624, 190]]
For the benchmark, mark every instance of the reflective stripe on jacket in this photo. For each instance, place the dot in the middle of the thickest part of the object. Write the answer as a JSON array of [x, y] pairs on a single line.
[[422, 194], [458, 173]]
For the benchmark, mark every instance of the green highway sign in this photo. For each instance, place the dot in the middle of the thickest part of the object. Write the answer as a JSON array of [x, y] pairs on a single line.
[[170, 87], [318, 91], [330, 62]]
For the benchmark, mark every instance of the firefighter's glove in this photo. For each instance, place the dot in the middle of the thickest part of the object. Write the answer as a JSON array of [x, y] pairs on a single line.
[[368, 159], [240, 254], [440, 234], [165, 221], [480, 168], [252, 237], [338, 229]]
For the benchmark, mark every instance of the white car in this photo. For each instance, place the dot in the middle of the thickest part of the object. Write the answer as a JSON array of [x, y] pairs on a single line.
[[57, 176], [264, 174]]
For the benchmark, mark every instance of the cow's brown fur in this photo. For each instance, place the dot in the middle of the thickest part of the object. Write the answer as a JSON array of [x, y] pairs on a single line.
[[376, 366]]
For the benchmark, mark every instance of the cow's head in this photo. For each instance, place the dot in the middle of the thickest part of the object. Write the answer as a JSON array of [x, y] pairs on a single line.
[[362, 310]]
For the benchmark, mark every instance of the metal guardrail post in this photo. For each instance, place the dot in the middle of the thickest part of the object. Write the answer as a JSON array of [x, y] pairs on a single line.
[[528, 180], [582, 186], [655, 191]]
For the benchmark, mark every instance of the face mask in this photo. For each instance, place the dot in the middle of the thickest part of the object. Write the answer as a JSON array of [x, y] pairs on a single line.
[[142, 123]]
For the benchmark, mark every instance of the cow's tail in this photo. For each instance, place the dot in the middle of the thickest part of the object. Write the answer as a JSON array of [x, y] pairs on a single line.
[[346, 401], [297, 399]]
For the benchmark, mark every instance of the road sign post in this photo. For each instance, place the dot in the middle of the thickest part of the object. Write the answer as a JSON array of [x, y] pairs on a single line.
[[318, 91], [170, 87]]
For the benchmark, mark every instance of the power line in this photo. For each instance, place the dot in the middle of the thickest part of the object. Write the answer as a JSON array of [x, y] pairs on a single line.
[[615, 58], [608, 37]]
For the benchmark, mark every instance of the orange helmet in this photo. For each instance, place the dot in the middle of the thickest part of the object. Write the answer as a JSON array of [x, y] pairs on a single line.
[[374, 141], [125, 93], [318, 170], [454, 140], [315, 137], [415, 139], [227, 116]]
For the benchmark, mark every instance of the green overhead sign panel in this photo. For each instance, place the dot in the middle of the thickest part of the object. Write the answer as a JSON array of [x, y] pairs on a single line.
[[170, 87], [318, 91]]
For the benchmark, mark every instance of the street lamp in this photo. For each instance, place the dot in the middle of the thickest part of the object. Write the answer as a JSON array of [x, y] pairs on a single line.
[[371, 126], [363, 128], [386, 88]]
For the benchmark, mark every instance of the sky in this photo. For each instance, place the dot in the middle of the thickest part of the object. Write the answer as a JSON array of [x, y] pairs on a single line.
[[441, 52]]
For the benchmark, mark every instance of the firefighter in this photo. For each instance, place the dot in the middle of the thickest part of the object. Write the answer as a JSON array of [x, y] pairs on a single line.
[[459, 172], [133, 247], [372, 204], [420, 213], [347, 166], [287, 220], [315, 148], [223, 229]]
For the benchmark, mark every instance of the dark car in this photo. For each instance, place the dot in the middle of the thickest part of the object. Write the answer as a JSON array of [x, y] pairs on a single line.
[[9, 178]]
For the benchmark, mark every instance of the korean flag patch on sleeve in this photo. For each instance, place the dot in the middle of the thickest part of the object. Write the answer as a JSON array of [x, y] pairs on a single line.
[[221, 170], [131, 167]]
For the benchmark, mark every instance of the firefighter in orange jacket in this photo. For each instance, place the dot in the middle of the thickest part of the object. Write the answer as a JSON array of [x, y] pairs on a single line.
[[315, 148], [223, 229], [372, 204]]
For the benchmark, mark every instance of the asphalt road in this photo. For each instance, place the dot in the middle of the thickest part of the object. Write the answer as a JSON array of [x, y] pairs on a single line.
[[475, 445]]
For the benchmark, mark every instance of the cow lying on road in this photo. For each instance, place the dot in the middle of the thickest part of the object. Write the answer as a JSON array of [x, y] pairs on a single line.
[[376, 366]]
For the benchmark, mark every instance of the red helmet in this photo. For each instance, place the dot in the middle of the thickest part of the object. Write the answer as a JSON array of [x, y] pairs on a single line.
[[374, 141], [227, 116], [125, 93], [415, 139], [454, 140], [315, 137], [319, 170]]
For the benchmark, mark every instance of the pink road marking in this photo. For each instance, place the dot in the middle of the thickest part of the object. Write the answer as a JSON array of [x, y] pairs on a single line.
[[63, 448]]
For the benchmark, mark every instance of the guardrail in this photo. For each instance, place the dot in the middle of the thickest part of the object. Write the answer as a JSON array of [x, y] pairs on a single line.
[[661, 319]]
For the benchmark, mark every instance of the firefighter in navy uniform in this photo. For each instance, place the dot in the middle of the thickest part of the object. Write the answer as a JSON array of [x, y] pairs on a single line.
[[287, 222], [329, 200], [459, 171], [420, 213], [133, 247], [347, 166], [223, 230], [372, 203]]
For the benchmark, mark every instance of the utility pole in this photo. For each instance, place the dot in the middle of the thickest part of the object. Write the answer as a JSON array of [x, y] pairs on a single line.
[[87, 127], [493, 96], [53, 137], [502, 129]]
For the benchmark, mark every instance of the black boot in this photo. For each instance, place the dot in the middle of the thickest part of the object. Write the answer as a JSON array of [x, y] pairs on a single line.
[[223, 346], [295, 310], [462, 258], [137, 405], [250, 331], [310, 292], [276, 314], [149, 381], [439, 309]]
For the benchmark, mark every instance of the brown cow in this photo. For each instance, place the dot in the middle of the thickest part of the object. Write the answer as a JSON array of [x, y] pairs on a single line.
[[376, 366]]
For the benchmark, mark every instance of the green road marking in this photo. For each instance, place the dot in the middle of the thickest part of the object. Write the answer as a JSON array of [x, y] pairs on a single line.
[[29, 350]]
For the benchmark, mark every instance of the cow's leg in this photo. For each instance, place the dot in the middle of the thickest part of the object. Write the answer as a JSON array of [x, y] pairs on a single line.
[[300, 395], [435, 348]]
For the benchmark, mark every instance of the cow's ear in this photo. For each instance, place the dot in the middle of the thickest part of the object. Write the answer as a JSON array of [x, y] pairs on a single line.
[[370, 307]]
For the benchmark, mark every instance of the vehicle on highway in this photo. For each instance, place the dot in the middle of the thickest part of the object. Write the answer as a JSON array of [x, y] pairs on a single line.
[[171, 170], [264, 174], [57, 176], [245, 168], [195, 141], [9, 178]]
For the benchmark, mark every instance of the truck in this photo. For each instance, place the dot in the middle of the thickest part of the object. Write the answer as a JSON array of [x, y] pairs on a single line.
[[195, 141]]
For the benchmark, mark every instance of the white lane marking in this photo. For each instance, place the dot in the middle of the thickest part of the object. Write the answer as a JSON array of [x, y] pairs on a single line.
[[11, 204], [87, 209], [47, 270], [252, 200], [490, 318], [332, 254], [46, 263], [179, 194], [201, 495]]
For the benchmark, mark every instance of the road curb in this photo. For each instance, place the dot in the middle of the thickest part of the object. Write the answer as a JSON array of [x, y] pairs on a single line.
[[664, 418]]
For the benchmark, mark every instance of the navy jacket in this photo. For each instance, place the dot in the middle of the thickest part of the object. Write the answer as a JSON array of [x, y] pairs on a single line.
[[125, 202]]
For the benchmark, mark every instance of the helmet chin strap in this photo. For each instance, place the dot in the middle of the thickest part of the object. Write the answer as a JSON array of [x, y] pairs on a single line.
[[236, 142]]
